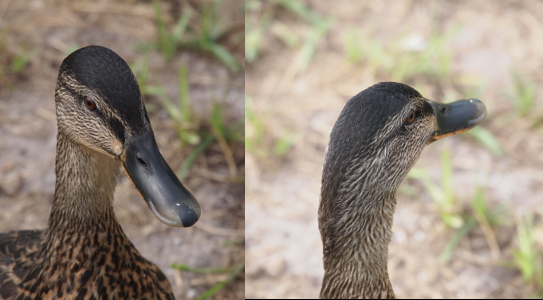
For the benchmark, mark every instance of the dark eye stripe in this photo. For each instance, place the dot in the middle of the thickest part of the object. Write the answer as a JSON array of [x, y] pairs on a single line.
[[117, 128]]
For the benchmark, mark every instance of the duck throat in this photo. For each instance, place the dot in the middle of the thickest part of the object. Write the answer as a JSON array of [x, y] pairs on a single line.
[[355, 244], [356, 254], [85, 183]]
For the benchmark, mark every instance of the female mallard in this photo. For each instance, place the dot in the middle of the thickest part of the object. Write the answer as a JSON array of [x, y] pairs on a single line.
[[376, 140], [84, 254]]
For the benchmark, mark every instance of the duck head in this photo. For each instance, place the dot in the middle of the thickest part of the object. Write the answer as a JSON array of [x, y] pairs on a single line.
[[382, 131], [100, 106]]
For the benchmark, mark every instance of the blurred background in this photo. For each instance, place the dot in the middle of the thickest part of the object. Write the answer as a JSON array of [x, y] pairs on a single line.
[[468, 218], [188, 57]]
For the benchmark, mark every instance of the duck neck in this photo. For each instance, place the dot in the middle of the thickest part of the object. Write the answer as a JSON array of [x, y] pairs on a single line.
[[355, 241], [85, 183]]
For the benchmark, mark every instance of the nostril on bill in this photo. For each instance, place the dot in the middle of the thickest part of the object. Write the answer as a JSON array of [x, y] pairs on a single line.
[[142, 162]]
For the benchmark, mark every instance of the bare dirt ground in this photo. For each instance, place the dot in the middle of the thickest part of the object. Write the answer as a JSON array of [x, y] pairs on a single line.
[[493, 39], [28, 130]]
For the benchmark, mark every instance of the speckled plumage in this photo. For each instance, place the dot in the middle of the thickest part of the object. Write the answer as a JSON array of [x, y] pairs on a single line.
[[372, 148], [84, 253]]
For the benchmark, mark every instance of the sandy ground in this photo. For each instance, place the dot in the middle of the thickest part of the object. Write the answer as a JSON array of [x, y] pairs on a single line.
[[284, 251], [28, 133]]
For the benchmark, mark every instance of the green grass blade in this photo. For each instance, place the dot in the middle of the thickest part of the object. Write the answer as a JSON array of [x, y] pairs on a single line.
[[183, 97], [446, 179], [253, 39], [216, 119], [526, 257], [186, 268], [219, 286], [181, 27], [459, 234], [224, 56], [140, 68], [352, 47], [479, 205], [309, 47], [487, 139], [301, 10], [283, 145], [21, 60], [524, 94], [207, 22], [183, 171], [172, 110], [164, 40]]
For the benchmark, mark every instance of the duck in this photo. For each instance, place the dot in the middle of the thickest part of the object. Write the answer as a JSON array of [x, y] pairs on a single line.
[[103, 127], [377, 138]]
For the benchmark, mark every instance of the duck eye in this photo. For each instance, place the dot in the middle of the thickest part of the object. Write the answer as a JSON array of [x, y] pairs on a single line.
[[410, 117], [89, 103]]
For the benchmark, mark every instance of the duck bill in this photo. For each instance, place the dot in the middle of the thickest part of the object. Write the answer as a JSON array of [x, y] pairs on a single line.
[[456, 117], [169, 200]]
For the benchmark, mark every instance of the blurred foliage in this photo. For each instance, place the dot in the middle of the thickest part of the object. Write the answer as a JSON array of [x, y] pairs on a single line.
[[140, 68], [179, 111], [442, 195], [169, 41], [190, 128], [21, 60], [13, 63], [234, 273], [479, 214], [205, 37], [262, 140], [454, 216], [528, 257], [222, 134], [405, 57], [487, 139], [268, 25], [524, 95]]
